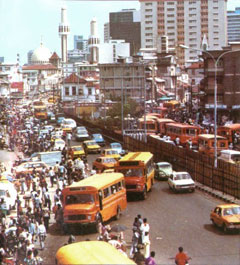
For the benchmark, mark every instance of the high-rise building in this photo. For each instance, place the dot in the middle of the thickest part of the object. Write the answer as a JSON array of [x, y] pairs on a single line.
[[80, 43], [184, 22], [233, 18], [125, 25]]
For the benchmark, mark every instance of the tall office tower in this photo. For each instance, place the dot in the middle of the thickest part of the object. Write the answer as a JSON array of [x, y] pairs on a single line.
[[63, 31], [184, 22], [233, 18], [80, 43], [126, 25], [106, 32], [93, 43], [29, 57]]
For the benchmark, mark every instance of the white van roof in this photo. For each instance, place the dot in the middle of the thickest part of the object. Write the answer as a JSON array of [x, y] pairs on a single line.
[[230, 152]]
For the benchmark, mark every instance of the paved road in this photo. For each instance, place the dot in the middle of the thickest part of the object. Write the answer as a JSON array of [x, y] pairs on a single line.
[[175, 219]]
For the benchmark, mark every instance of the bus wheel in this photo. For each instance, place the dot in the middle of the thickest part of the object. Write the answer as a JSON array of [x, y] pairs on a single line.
[[144, 194], [118, 214]]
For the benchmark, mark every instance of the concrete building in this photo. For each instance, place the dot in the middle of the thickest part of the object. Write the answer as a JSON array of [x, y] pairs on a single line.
[[109, 52], [76, 55], [127, 78], [228, 80], [79, 43], [125, 25], [233, 18], [184, 22], [29, 57]]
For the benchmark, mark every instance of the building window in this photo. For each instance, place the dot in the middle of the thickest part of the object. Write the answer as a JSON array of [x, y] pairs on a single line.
[[90, 92], [66, 91], [80, 91], [74, 91]]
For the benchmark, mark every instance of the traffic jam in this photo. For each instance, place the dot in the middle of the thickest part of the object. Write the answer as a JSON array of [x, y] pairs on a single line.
[[57, 169]]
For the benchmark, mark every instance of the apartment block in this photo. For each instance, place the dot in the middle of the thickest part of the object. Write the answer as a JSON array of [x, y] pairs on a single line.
[[233, 18], [185, 22]]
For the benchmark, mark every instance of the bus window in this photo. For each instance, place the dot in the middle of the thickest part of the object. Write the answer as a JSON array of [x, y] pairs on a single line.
[[106, 192], [79, 199]]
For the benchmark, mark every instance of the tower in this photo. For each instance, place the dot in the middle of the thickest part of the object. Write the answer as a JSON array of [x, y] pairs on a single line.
[[63, 31], [93, 42]]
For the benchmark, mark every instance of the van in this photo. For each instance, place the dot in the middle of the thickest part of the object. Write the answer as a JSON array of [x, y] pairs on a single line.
[[8, 196], [49, 158], [230, 156]]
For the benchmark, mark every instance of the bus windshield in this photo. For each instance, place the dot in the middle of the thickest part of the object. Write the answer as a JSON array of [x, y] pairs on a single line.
[[132, 172], [79, 199]]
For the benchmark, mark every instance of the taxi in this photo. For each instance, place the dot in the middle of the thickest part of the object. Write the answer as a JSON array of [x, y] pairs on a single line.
[[76, 151], [53, 99], [111, 153], [226, 216], [27, 167], [91, 146], [102, 163]]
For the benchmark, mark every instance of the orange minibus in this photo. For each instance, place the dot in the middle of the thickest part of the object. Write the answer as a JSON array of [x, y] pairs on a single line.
[[94, 199], [138, 170], [162, 111], [228, 131], [184, 132], [162, 124], [206, 143], [151, 125], [172, 105], [40, 112]]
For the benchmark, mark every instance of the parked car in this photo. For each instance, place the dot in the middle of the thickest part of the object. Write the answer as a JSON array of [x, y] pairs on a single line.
[[81, 135], [103, 163], [118, 147], [59, 144], [111, 153], [99, 139], [163, 170], [226, 216], [181, 181], [28, 167], [91, 146]]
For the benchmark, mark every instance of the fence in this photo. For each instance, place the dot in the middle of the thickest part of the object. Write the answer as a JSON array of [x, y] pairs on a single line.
[[225, 178]]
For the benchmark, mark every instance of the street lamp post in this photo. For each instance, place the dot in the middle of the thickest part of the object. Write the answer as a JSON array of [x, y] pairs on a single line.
[[216, 61]]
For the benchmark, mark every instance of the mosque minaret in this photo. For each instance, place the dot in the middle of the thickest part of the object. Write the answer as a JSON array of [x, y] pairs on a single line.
[[63, 30], [93, 42]]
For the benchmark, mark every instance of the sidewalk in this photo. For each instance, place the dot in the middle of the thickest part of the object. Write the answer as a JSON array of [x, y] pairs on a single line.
[[218, 194]]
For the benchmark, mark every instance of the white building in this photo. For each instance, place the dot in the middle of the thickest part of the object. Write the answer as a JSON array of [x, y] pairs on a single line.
[[109, 52], [184, 22]]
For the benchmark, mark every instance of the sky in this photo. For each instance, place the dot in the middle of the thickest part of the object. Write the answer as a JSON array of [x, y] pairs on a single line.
[[23, 23]]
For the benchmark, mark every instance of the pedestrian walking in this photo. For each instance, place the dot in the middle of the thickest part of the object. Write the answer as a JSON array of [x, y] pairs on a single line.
[[181, 257]]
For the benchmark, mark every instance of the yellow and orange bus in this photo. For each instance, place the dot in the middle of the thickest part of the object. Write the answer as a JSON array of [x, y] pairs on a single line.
[[150, 124], [184, 132], [161, 111], [90, 252], [228, 131], [40, 112], [206, 143], [95, 199], [172, 105], [138, 170]]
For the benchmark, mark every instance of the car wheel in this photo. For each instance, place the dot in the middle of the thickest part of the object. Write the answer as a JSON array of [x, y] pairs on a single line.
[[118, 214], [224, 228]]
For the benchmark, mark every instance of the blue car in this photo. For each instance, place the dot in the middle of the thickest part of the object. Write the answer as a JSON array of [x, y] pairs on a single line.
[[118, 147], [98, 139]]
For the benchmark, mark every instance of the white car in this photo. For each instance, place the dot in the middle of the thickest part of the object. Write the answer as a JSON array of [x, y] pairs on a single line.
[[70, 123], [59, 144], [181, 181], [8, 196]]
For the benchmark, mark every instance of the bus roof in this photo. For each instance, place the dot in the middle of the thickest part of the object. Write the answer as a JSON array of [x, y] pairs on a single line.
[[137, 156], [234, 126], [210, 136], [90, 252], [97, 180], [182, 125], [230, 152]]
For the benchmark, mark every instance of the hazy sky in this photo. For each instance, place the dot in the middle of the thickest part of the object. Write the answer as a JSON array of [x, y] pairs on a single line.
[[24, 22]]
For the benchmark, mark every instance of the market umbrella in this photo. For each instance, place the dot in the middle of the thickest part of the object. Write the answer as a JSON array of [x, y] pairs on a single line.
[[118, 228]]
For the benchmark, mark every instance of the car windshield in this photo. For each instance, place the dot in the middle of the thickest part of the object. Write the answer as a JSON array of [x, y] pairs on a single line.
[[77, 148], [132, 172], [97, 136], [116, 145], [68, 122], [112, 152], [59, 142], [164, 166], [182, 176], [2, 192], [236, 158], [231, 211], [109, 160], [79, 199]]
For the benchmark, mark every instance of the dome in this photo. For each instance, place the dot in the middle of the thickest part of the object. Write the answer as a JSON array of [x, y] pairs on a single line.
[[41, 55]]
